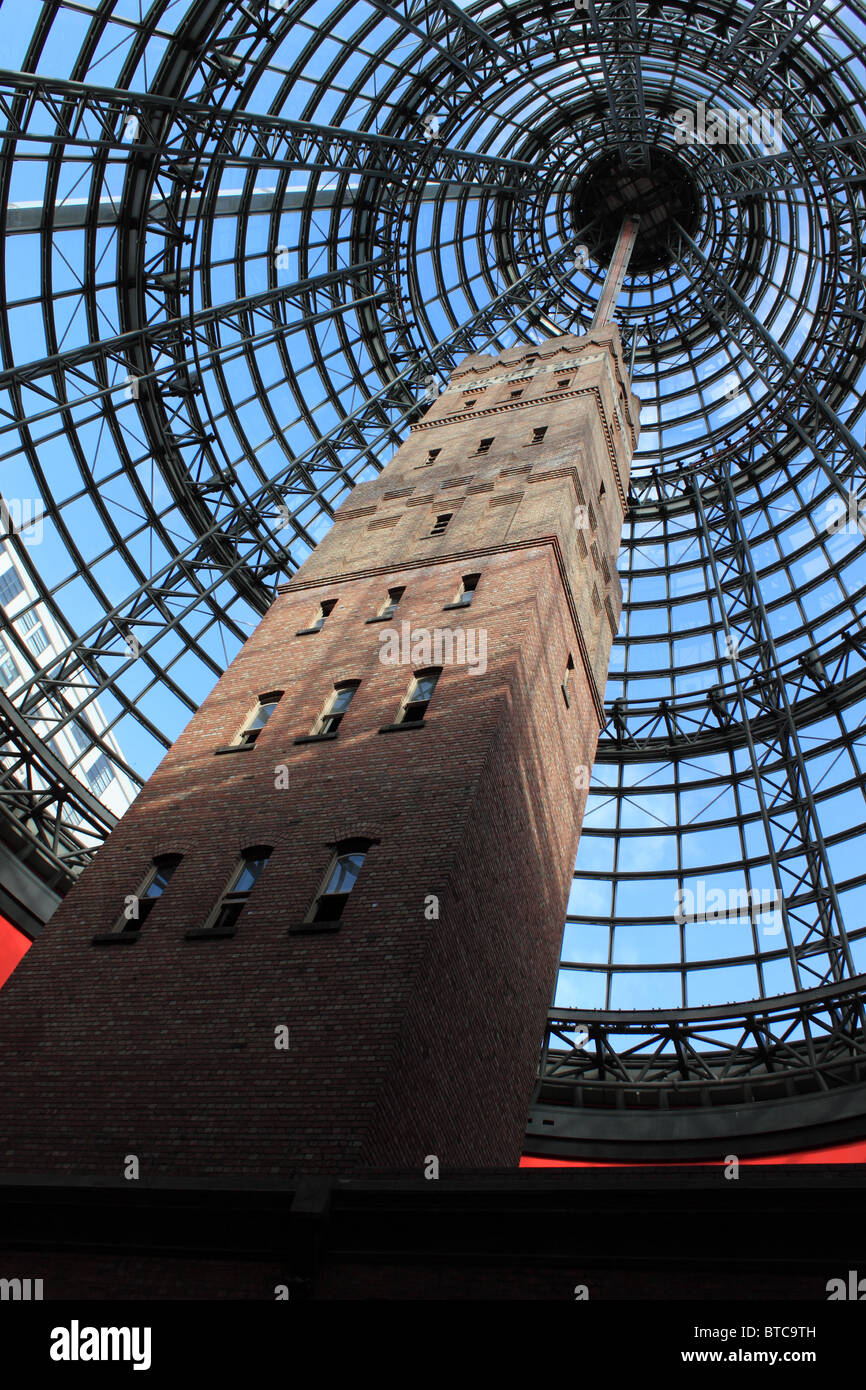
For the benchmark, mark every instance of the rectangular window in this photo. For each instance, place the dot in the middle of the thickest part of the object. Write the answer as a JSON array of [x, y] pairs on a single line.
[[35, 639], [538, 434], [78, 735], [515, 395], [336, 705], [10, 586], [8, 669], [563, 383], [432, 456], [100, 774], [441, 523], [418, 697], [484, 445]]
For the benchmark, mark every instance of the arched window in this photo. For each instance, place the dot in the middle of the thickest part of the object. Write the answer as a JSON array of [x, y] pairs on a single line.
[[569, 668], [258, 719], [245, 876], [343, 871], [466, 592], [418, 696], [390, 604], [326, 607], [137, 910], [336, 705]]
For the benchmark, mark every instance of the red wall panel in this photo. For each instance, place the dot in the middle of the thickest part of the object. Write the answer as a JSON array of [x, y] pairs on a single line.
[[13, 945], [834, 1153]]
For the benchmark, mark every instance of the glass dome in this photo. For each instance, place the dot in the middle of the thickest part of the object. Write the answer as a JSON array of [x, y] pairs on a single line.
[[243, 242]]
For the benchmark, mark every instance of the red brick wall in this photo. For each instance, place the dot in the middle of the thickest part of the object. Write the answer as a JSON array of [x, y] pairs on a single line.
[[408, 1036]]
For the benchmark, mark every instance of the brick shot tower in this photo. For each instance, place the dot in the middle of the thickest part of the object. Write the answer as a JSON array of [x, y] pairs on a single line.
[[324, 937]]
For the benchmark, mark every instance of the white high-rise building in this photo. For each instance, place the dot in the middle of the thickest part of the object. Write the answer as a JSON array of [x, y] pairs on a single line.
[[74, 744]]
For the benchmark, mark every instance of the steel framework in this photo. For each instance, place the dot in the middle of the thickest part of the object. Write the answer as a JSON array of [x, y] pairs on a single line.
[[244, 243]]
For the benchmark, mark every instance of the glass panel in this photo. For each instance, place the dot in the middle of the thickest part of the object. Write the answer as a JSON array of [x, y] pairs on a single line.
[[345, 871], [262, 715], [341, 701], [249, 874], [100, 773], [10, 586], [79, 736], [423, 688], [160, 880], [8, 669]]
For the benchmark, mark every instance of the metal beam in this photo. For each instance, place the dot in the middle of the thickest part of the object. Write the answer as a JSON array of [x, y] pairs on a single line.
[[616, 272], [768, 358], [76, 213], [197, 566], [94, 120], [811, 914]]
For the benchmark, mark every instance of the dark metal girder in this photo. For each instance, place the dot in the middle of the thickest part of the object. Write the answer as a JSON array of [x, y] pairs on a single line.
[[182, 131], [744, 617]]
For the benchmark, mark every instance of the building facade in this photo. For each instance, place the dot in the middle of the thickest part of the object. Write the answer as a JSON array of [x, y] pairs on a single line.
[[324, 937], [34, 874]]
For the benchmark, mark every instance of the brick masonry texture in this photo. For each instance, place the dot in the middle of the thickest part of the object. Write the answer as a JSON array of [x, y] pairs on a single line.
[[410, 1034]]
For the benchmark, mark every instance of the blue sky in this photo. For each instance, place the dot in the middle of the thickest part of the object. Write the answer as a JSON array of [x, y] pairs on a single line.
[[649, 827]]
